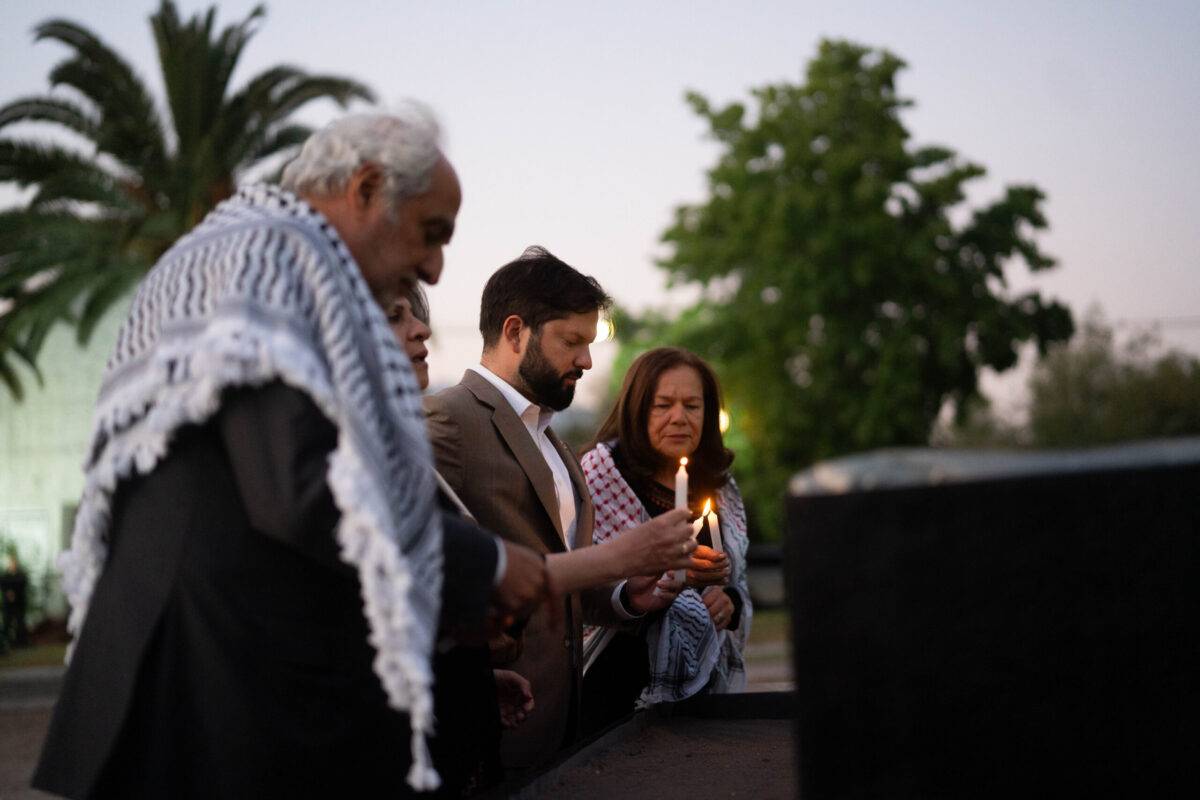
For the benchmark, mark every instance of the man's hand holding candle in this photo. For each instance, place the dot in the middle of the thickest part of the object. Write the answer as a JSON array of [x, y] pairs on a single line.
[[648, 593]]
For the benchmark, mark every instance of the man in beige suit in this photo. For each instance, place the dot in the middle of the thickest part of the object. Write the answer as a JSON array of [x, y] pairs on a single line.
[[493, 444]]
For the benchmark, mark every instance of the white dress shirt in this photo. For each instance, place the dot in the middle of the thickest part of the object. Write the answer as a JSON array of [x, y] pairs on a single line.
[[536, 419]]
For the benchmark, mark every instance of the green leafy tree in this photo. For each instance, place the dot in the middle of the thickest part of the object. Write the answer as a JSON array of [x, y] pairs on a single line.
[[849, 290], [1094, 391], [101, 215]]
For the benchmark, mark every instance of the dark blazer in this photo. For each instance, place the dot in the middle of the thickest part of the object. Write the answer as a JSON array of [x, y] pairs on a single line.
[[225, 651], [486, 454]]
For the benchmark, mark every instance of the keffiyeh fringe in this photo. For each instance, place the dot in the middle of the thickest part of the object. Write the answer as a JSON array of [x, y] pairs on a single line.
[[264, 290]]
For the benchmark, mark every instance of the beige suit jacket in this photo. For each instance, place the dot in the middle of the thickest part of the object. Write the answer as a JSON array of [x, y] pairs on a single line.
[[486, 454]]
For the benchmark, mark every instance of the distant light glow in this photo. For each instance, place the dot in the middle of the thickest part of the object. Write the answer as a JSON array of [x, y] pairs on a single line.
[[723, 421], [606, 331]]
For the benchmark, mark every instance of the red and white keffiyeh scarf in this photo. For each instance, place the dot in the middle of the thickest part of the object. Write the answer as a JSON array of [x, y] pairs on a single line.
[[687, 653]]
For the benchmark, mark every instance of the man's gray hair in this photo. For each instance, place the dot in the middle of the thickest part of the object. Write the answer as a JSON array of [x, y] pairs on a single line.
[[405, 143]]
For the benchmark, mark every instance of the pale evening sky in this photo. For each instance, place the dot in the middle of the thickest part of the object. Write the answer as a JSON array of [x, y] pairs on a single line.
[[568, 128]]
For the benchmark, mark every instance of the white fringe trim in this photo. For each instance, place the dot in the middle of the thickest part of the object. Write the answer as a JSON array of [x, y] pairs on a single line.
[[139, 421]]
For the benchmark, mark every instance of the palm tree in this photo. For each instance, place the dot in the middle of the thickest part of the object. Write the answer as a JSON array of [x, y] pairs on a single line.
[[100, 216]]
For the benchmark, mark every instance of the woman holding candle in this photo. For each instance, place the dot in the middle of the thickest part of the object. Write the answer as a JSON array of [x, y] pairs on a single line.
[[660, 443]]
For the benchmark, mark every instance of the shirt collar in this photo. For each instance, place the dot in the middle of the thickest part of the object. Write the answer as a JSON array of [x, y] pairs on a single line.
[[529, 412]]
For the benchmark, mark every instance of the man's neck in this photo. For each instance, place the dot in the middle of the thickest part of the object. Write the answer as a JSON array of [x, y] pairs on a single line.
[[510, 375]]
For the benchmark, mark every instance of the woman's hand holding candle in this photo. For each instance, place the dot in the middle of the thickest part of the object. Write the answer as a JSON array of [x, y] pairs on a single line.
[[648, 593], [708, 568]]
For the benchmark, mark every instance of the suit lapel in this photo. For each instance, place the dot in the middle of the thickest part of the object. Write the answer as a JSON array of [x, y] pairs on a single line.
[[524, 449], [586, 517]]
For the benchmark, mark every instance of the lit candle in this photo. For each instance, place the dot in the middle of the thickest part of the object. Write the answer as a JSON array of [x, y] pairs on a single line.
[[698, 525], [714, 529], [681, 478], [681, 481]]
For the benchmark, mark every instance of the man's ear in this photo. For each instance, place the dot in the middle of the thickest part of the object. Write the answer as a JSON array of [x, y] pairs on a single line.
[[365, 186], [512, 331]]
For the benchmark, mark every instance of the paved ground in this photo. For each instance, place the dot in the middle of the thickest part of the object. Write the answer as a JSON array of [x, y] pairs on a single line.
[[27, 696], [769, 667]]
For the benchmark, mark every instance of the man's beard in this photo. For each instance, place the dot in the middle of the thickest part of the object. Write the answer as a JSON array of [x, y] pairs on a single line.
[[548, 388]]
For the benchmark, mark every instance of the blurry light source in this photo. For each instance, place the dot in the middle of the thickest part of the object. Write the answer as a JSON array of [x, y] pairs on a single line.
[[606, 331], [723, 421]]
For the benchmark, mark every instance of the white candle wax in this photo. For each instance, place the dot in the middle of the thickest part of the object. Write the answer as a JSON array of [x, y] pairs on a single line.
[[714, 530], [681, 484], [681, 489]]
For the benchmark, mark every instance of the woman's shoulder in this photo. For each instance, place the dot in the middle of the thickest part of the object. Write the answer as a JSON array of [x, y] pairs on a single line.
[[730, 496], [599, 457]]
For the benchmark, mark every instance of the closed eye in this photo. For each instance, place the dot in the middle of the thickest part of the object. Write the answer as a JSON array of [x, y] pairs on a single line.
[[438, 231]]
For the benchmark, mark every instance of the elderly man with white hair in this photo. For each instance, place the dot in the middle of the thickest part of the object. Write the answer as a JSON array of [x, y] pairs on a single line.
[[256, 572]]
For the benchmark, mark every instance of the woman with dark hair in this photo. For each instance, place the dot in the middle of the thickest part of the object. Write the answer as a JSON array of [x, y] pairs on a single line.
[[668, 408], [471, 700]]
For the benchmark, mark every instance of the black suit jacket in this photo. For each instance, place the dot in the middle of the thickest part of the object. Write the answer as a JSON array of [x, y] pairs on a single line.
[[225, 651]]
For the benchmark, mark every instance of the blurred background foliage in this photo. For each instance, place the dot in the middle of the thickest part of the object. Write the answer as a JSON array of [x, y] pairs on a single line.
[[849, 291], [1097, 389], [849, 294], [116, 182]]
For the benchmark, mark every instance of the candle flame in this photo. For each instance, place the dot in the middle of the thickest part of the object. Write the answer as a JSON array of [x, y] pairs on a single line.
[[683, 461], [707, 508]]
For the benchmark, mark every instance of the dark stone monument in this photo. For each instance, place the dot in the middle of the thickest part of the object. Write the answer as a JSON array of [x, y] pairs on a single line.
[[974, 625]]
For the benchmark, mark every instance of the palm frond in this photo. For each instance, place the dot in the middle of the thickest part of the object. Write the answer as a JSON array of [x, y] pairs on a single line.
[[318, 87], [35, 313], [94, 227], [9, 376], [33, 243], [129, 127], [37, 330], [244, 117], [102, 296], [196, 68], [49, 109], [263, 86], [10, 353], [272, 98], [83, 187], [282, 139], [26, 163], [232, 42]]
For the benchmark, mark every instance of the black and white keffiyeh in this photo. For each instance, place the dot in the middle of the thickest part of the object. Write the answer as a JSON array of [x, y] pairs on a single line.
[[687, 653], [262, 290]]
